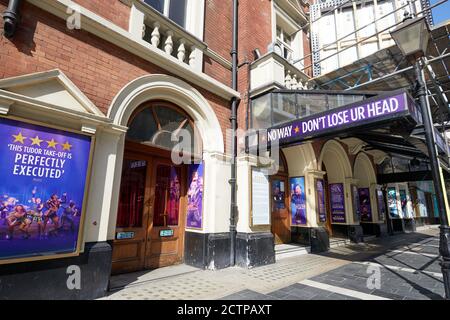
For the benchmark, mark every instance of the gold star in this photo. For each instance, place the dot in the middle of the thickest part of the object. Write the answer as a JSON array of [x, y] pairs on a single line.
[[51, 144], [297, 129], [66, 146], [19, 138], [36, 141]]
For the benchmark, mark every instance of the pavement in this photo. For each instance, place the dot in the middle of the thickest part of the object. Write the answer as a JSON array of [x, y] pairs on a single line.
[[399, 267]]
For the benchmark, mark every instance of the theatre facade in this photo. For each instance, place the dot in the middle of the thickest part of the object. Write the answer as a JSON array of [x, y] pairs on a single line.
[[113, 146], [330, 183]]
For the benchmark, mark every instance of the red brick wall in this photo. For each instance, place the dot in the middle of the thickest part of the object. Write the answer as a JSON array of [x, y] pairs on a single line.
[[112, 10], [307, 54], [218, 26], [97, 67], [255, 31], [218, 35]]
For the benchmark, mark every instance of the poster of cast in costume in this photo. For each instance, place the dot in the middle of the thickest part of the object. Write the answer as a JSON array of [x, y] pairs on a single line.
[[381, 205], [392, 203], [195, 196], [41, 193], [298, 200], [365, 209], [278, 193], [337, 202], [321, 200]]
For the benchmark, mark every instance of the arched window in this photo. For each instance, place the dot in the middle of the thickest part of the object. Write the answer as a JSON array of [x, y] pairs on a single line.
[[163, 125]]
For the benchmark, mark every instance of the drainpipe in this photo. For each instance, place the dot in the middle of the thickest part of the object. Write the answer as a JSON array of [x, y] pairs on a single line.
[[10, 18], [233, 120]]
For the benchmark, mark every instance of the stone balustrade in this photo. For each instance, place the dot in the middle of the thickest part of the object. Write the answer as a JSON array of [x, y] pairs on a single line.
[[162, 33], [272, 70]]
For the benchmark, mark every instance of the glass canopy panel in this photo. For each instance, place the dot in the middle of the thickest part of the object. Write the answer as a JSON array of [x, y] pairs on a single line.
[[275, 108]]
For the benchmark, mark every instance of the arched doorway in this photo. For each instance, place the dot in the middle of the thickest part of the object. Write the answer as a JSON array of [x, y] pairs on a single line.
[[364, 174], [279, 194], [334, 162], [152, 199]]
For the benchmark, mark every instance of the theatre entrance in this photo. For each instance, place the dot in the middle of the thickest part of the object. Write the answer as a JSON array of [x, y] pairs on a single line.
[[279, 194], [152, 201]]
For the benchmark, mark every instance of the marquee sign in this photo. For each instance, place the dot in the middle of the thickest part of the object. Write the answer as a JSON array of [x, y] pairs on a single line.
[[395, 105]]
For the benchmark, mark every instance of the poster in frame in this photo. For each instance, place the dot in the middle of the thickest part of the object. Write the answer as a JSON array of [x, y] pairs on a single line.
[[392, 203], [45, 172], [381, 205], [196, 178], [260, 216], [321, 205], [365, 207], [298, 201], [337, 203]]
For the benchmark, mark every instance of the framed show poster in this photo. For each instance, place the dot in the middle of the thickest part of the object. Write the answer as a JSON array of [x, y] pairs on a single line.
[[365, 208], [392, 203], [194, 214], [260, 199], [298, 201], [44, 175], [278, 195], [356, 207], [337, 202], [320, 195], [381, 205]]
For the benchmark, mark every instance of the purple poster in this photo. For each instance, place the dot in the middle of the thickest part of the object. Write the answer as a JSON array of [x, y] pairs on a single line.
[[298, 201], [42, 191], [337, 202], [381, 205], [321, 200], [365, 209], [195, 196]]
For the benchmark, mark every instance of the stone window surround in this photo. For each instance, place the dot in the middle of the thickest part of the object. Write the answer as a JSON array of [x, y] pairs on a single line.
[[281, 19]]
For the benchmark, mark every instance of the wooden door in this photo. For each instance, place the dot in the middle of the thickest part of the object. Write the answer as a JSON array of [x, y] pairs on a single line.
[[131, 229], [280, 210], [165, 241]]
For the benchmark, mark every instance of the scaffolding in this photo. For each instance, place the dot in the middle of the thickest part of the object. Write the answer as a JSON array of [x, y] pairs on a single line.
[[387, 69]]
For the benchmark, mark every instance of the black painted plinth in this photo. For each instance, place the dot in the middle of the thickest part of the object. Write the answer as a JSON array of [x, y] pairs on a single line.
[[254, 249], [398, 225], [320, 240], [381, 229], [301, 235], [378, 229], [207, 250], [355, 233], [317, 238], [47, 279], [409, 225]]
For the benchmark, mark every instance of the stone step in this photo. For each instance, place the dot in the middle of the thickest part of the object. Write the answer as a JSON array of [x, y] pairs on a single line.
[[283, 251]]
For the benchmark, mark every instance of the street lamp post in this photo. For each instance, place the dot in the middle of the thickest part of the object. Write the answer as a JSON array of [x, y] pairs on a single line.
[[412, 38]]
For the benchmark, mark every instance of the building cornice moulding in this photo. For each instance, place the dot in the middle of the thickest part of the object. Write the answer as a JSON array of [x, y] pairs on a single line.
[[9, 84], [59, 112], [112, 33]]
